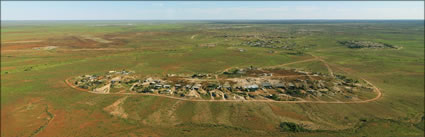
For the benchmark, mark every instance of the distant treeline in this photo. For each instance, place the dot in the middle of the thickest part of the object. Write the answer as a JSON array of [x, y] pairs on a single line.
[[365, 44], [311, 21]]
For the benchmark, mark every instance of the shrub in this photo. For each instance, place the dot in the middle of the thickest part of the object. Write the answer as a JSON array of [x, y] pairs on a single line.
[[295, 93], [274, 97], [291, 127]]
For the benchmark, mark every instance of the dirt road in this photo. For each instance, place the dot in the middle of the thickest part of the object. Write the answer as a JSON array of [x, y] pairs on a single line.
[[280, 65], [195, 100], [24, 41], [326, 64], [296, 62], [379, 93], [83, 49], [193, 36]]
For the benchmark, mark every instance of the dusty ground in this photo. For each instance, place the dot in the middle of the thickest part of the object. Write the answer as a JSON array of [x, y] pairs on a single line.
[[335, 101], [28, 113], [116, 108]]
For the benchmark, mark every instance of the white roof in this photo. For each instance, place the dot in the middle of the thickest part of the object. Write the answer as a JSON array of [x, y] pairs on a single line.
[[116, 79]]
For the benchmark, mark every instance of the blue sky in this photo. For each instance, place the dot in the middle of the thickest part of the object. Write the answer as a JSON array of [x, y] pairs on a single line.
[[198, 10]]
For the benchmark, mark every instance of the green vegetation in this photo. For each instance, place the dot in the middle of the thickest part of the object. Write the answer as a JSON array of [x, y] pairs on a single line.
[[31, 77], [365, 44], [295, 93], [291, 127]]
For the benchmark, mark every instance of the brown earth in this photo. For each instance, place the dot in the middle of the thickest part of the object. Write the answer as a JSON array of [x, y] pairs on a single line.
[[25, 114], [116, 108], [379, 94]]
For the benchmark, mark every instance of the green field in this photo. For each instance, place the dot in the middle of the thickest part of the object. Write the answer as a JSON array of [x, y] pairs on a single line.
[[36, 101]]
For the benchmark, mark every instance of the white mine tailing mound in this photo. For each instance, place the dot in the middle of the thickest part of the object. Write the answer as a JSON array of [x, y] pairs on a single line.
[[105, 89]]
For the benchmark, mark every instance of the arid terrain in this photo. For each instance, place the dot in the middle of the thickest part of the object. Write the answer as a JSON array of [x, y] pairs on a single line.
[[212, 78]]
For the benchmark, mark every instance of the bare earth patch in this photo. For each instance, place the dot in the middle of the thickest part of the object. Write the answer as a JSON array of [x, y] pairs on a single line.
[[24, 41], [116, 108], [193, 36], [97, 39], [45, 48], [26, 117]]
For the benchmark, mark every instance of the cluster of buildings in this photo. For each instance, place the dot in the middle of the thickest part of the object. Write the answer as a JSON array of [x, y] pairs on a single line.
[[94, 81], [262, 85], [270, 44]]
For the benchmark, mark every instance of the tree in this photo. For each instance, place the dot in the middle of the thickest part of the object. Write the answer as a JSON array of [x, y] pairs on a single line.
[[291, 127]]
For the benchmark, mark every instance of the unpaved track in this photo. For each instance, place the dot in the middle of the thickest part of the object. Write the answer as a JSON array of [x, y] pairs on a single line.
[[296, 62], [116, 108], [100, 49], [326, 64], [193, 36], [24, 41], [281, 65], [288, 102], [84, 49]]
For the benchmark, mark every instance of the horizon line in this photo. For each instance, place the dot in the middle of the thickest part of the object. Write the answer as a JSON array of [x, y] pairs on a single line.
[[193, 19]]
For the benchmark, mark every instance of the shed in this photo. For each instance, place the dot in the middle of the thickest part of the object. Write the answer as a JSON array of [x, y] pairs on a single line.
[[157, 86], [178, 85], [188, 86], [196, 86], [116, 79], [148, 79], [279, 85], [252, 87], [167, 86], [227, 86], [291, 85], [266, 85]]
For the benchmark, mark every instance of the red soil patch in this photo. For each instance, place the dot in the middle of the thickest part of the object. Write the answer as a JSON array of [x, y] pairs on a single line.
[[73, 42], [17, 32], [7, 68], [21, 46], [76, 120], [55, 125], [22, 41], [23, 117], [129, 35], [91, 123]]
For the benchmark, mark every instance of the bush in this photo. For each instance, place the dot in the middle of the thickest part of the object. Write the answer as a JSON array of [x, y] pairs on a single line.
[[147, 90], [280, 91], [275, 97], [291, 127], [295, 93]]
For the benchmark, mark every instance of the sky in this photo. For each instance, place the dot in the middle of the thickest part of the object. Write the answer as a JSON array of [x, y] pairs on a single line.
[[209, 10]]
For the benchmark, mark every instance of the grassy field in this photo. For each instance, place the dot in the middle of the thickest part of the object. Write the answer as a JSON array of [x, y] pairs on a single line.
[[35, 101]]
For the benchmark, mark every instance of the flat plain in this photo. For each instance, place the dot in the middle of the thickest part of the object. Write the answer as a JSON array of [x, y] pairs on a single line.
[[37, 58]]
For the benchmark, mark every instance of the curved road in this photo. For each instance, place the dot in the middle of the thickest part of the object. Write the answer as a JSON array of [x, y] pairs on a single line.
[[289, 102]]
